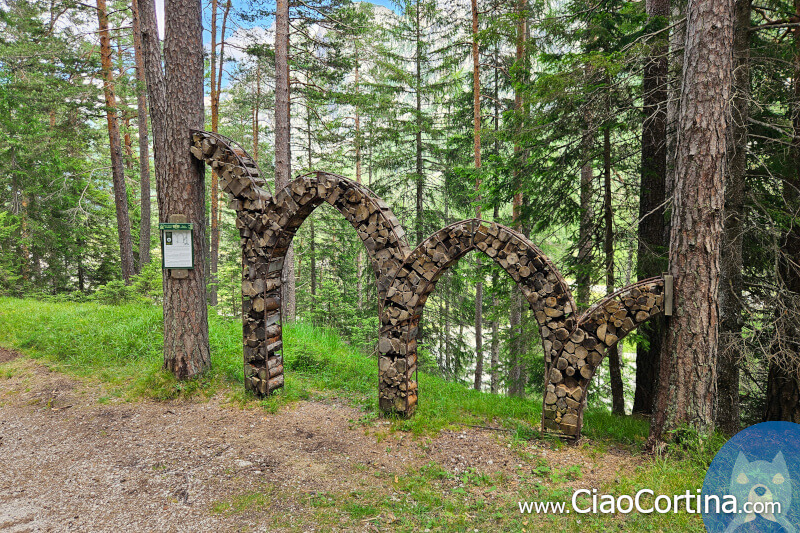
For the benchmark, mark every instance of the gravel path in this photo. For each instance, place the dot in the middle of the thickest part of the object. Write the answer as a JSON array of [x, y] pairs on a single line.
[[71, 463]]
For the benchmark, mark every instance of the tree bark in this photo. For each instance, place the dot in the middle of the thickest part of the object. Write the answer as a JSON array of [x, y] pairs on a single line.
[[420, 182], [517, 386], [783, 395], [651, 255], [495, 343], [156, 88], [583, 278], [283, 151], [312, 231], [677, 39], [730, 290], [688, 368], [214, 96], [256, 111], [176, 105], [358, 142], [115, 147], [144, 139]]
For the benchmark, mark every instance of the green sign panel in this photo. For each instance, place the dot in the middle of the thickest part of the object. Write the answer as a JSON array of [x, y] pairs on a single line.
[[177, 250]]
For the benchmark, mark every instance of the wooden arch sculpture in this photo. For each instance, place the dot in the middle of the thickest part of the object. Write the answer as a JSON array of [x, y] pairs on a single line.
[[574, 346], [267, 225]]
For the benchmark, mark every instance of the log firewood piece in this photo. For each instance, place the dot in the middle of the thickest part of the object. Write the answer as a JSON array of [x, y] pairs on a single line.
[[275, 371], [578, 336], [601, 332], [275, 383]]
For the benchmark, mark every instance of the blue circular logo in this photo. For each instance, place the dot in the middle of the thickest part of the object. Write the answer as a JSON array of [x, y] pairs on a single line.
[[753, 483]]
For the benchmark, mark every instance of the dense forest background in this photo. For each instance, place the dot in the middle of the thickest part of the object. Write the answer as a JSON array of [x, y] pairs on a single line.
[[567, 133]]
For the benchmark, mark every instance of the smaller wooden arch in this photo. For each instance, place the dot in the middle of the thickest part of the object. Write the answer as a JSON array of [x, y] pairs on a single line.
[[573, 356], [539, 280]]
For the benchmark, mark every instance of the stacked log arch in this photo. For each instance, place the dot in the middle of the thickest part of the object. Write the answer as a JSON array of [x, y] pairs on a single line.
[[572, 357], [574, 346], [536, 276], [267, 225]]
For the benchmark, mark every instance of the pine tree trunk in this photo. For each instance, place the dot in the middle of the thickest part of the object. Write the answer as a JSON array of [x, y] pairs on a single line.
[[677, 39], [783, 396], [313, 252], [283, 154], [583, 276], [495, 343], [652, 194], [517, 373], [730, 290], [516, 386], [495, 350], [156, 88], [688, 368], [447, 349], [144, 140], [216, 81], [478, 384], [420, 182], [256, 112], [312, 231], [179, 181], [358, 137], [186, 348], [117, 172]]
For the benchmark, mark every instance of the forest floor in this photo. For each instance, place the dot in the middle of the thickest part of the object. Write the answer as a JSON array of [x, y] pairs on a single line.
[[72, 460], [96, 436]]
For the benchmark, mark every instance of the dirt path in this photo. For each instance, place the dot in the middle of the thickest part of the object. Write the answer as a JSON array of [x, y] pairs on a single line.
[[69, 463]]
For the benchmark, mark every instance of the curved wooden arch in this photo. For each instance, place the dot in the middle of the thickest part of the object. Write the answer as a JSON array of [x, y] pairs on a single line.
[[573, 356], [574, 347], [267, 225], [540, 281], [373, 220]]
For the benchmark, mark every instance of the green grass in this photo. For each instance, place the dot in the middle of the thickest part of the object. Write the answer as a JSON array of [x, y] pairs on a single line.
[[432, 498], [121, 346]]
